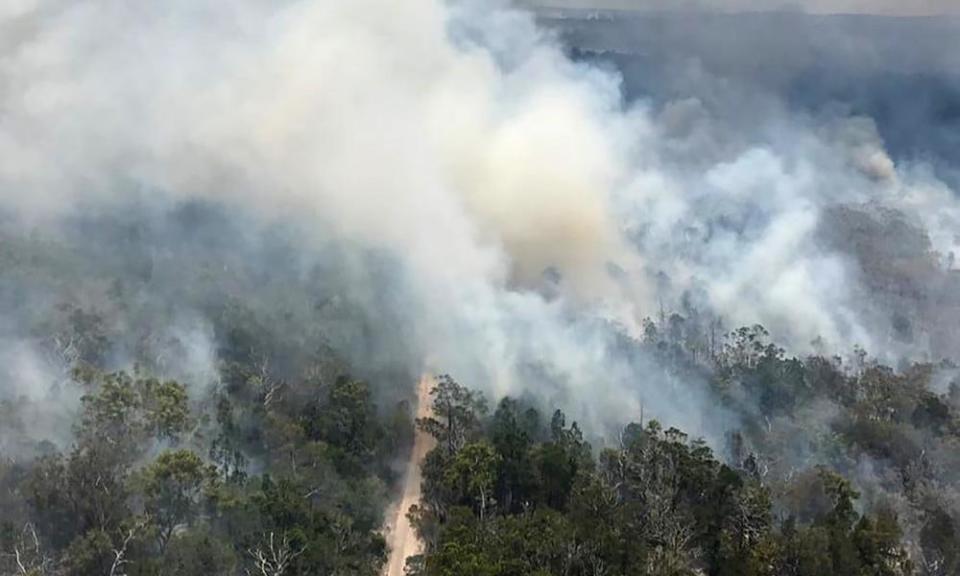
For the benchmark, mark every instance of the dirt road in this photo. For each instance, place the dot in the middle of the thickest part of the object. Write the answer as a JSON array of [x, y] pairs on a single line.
[[401, 538]]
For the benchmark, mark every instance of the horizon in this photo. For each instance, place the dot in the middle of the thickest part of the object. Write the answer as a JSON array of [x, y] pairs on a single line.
[[881, 8]]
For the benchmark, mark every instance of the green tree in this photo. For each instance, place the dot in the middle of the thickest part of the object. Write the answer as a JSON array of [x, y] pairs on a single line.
[[124, 411], [456, 414], [347, 422], [473, 472], [174, 487], [512, 435]]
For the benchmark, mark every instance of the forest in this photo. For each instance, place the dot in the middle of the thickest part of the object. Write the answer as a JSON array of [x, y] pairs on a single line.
[[598, 293], [131, 444], [513, 493], [285, 464]]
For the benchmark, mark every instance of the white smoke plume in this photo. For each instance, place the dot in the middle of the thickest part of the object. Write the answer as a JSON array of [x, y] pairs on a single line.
[[528, 206]]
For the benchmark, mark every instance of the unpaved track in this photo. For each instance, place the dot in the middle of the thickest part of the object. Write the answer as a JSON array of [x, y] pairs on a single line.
[[401, 537]]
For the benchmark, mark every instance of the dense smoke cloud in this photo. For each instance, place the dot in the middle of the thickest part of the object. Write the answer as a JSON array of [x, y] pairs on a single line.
[[523, 216]]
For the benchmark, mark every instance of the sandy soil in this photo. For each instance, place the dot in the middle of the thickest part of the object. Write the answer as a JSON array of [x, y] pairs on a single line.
[[401, 538]]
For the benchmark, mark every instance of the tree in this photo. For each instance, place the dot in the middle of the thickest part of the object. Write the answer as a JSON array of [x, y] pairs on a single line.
[[200, 551], [744, 529], [25, 556], [173, 489], [456, 414], [124, 411], [347, 421], [512, 435], [473, 472], [91, 553], [878, 544], [273, 556], [559, 460], [226, 451], [940, 543], [166, 412]]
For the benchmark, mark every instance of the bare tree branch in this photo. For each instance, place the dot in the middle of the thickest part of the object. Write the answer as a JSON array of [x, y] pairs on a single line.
[[273, 558]]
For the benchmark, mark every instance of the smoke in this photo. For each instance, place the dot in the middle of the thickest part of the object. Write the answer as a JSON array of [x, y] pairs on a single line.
[[37, 402], [459, 193]]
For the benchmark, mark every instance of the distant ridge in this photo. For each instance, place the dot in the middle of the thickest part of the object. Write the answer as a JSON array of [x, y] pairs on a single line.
[[624, 8]]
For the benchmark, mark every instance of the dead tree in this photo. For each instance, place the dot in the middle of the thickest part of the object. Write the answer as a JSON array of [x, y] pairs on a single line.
[[272, 557]]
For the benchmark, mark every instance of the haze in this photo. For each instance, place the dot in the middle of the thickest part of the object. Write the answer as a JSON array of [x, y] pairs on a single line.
[[876, 7]]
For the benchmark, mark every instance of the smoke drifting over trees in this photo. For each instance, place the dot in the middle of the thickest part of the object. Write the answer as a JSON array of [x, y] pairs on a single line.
[[511, 188], [250, 200]]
